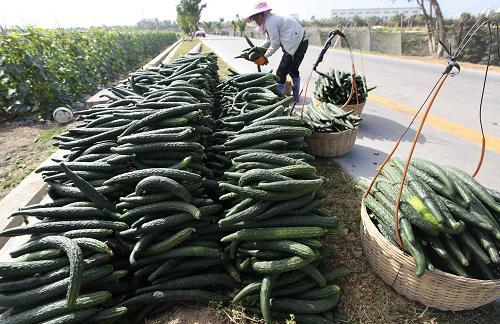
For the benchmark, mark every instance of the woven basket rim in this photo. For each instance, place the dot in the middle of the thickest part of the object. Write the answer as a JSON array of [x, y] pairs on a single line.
[[374, 232], [355, 129]]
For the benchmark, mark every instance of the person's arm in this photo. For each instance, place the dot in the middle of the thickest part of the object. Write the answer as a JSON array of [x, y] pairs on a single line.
[[274, 39], [267, 43]]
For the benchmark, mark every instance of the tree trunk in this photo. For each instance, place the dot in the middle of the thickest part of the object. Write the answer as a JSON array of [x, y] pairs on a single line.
[[428, 24], [441, 32]]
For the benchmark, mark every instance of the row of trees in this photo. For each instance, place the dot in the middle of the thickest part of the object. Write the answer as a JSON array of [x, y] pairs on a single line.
[[238, 25], [155, 24]]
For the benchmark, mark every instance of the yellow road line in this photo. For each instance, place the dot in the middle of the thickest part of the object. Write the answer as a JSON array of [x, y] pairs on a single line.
[[468, 134]]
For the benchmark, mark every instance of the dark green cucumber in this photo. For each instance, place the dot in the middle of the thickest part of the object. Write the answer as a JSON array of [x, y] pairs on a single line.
[[304, 306], [63, 226], [51, 276], [249, 289], [56, 308], [77, 316], [321, 293], [276, 233], [95, 196], [169, 242], [159, 296], [282, 265], [54, 289], [281, 246], [108, 315], [265, 298], [153, 184]]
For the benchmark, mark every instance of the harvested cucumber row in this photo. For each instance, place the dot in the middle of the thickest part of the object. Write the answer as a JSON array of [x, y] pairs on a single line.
[[328, 118], [337, 88]]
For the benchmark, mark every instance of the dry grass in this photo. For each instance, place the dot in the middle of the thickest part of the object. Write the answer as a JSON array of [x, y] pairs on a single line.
[[22, 148]]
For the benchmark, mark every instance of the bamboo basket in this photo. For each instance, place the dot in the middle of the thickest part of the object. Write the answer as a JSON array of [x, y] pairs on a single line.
[[436, 289], [358, 109], [331, 144]]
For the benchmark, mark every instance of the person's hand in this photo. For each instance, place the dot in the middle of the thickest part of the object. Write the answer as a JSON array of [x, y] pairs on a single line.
[[261, 60]]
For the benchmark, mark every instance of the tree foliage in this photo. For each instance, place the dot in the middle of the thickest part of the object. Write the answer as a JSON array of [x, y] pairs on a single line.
[[42, 69], [188, 15]]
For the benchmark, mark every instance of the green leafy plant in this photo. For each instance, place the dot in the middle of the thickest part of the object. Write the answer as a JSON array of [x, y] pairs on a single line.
[[41, 69]]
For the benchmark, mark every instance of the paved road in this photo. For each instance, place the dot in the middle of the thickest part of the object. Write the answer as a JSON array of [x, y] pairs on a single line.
[[450, 137]]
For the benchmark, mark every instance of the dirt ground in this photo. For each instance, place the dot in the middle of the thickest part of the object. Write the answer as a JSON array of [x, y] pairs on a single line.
[[22, 148]]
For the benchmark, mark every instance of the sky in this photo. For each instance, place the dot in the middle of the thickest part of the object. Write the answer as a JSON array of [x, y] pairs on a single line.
[[70, 13]]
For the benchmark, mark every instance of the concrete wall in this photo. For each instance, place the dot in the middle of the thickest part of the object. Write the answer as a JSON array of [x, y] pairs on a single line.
[[415, 44], [362, 38], [385, 42]]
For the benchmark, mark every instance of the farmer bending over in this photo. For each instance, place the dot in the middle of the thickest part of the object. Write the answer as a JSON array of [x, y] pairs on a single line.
[[287, 33]]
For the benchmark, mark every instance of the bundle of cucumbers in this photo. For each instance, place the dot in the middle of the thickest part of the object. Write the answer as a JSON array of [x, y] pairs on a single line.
[[271, 198], [328, 118], [338, 87], [243, 92], [447, 221], [127, 198], [252, 53], [176, 189]]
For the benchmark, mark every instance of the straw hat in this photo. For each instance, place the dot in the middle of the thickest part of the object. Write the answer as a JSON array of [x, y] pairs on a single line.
[[258, 8]]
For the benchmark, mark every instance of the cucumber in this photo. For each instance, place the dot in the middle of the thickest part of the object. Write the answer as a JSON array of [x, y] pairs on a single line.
[[93, 195], [276, 233], [76, 264], [258, 175], [471, 244], [219, 280], [265, 298], [476, 188], [282, 265], [63, 213], [321, 293], [42, 293], [169, 242], [247, 192], [454, 248], [163, 184], [180, 252], [108, 315], [290, 185], [73, 316], [304, 306], [56, 308], [133, 177], [63, 226], [281, 246], [160, 207], [246, 291], [50, 276], [160, 296], [267, 158], [314, 274]]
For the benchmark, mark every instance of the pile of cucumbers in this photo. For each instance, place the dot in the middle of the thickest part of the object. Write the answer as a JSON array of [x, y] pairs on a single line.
[[252, 53], [128, 204], [337, 88], [328, 118], [271, 197], [179, 188], [447, 221]]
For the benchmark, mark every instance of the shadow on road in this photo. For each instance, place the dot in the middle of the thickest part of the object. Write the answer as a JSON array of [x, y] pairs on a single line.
[[381, 128], [362, 161]]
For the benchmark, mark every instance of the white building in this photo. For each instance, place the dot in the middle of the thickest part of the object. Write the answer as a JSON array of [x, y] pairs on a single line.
[[384, 13]]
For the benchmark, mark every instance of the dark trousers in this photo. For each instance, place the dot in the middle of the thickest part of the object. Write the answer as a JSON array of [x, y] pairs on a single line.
[[290, 63]]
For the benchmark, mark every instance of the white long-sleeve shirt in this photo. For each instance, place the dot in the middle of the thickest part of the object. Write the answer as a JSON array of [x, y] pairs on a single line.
[[282, 31]]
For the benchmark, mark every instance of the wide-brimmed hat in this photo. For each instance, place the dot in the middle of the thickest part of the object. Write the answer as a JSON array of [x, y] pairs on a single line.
[[258, 8]]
